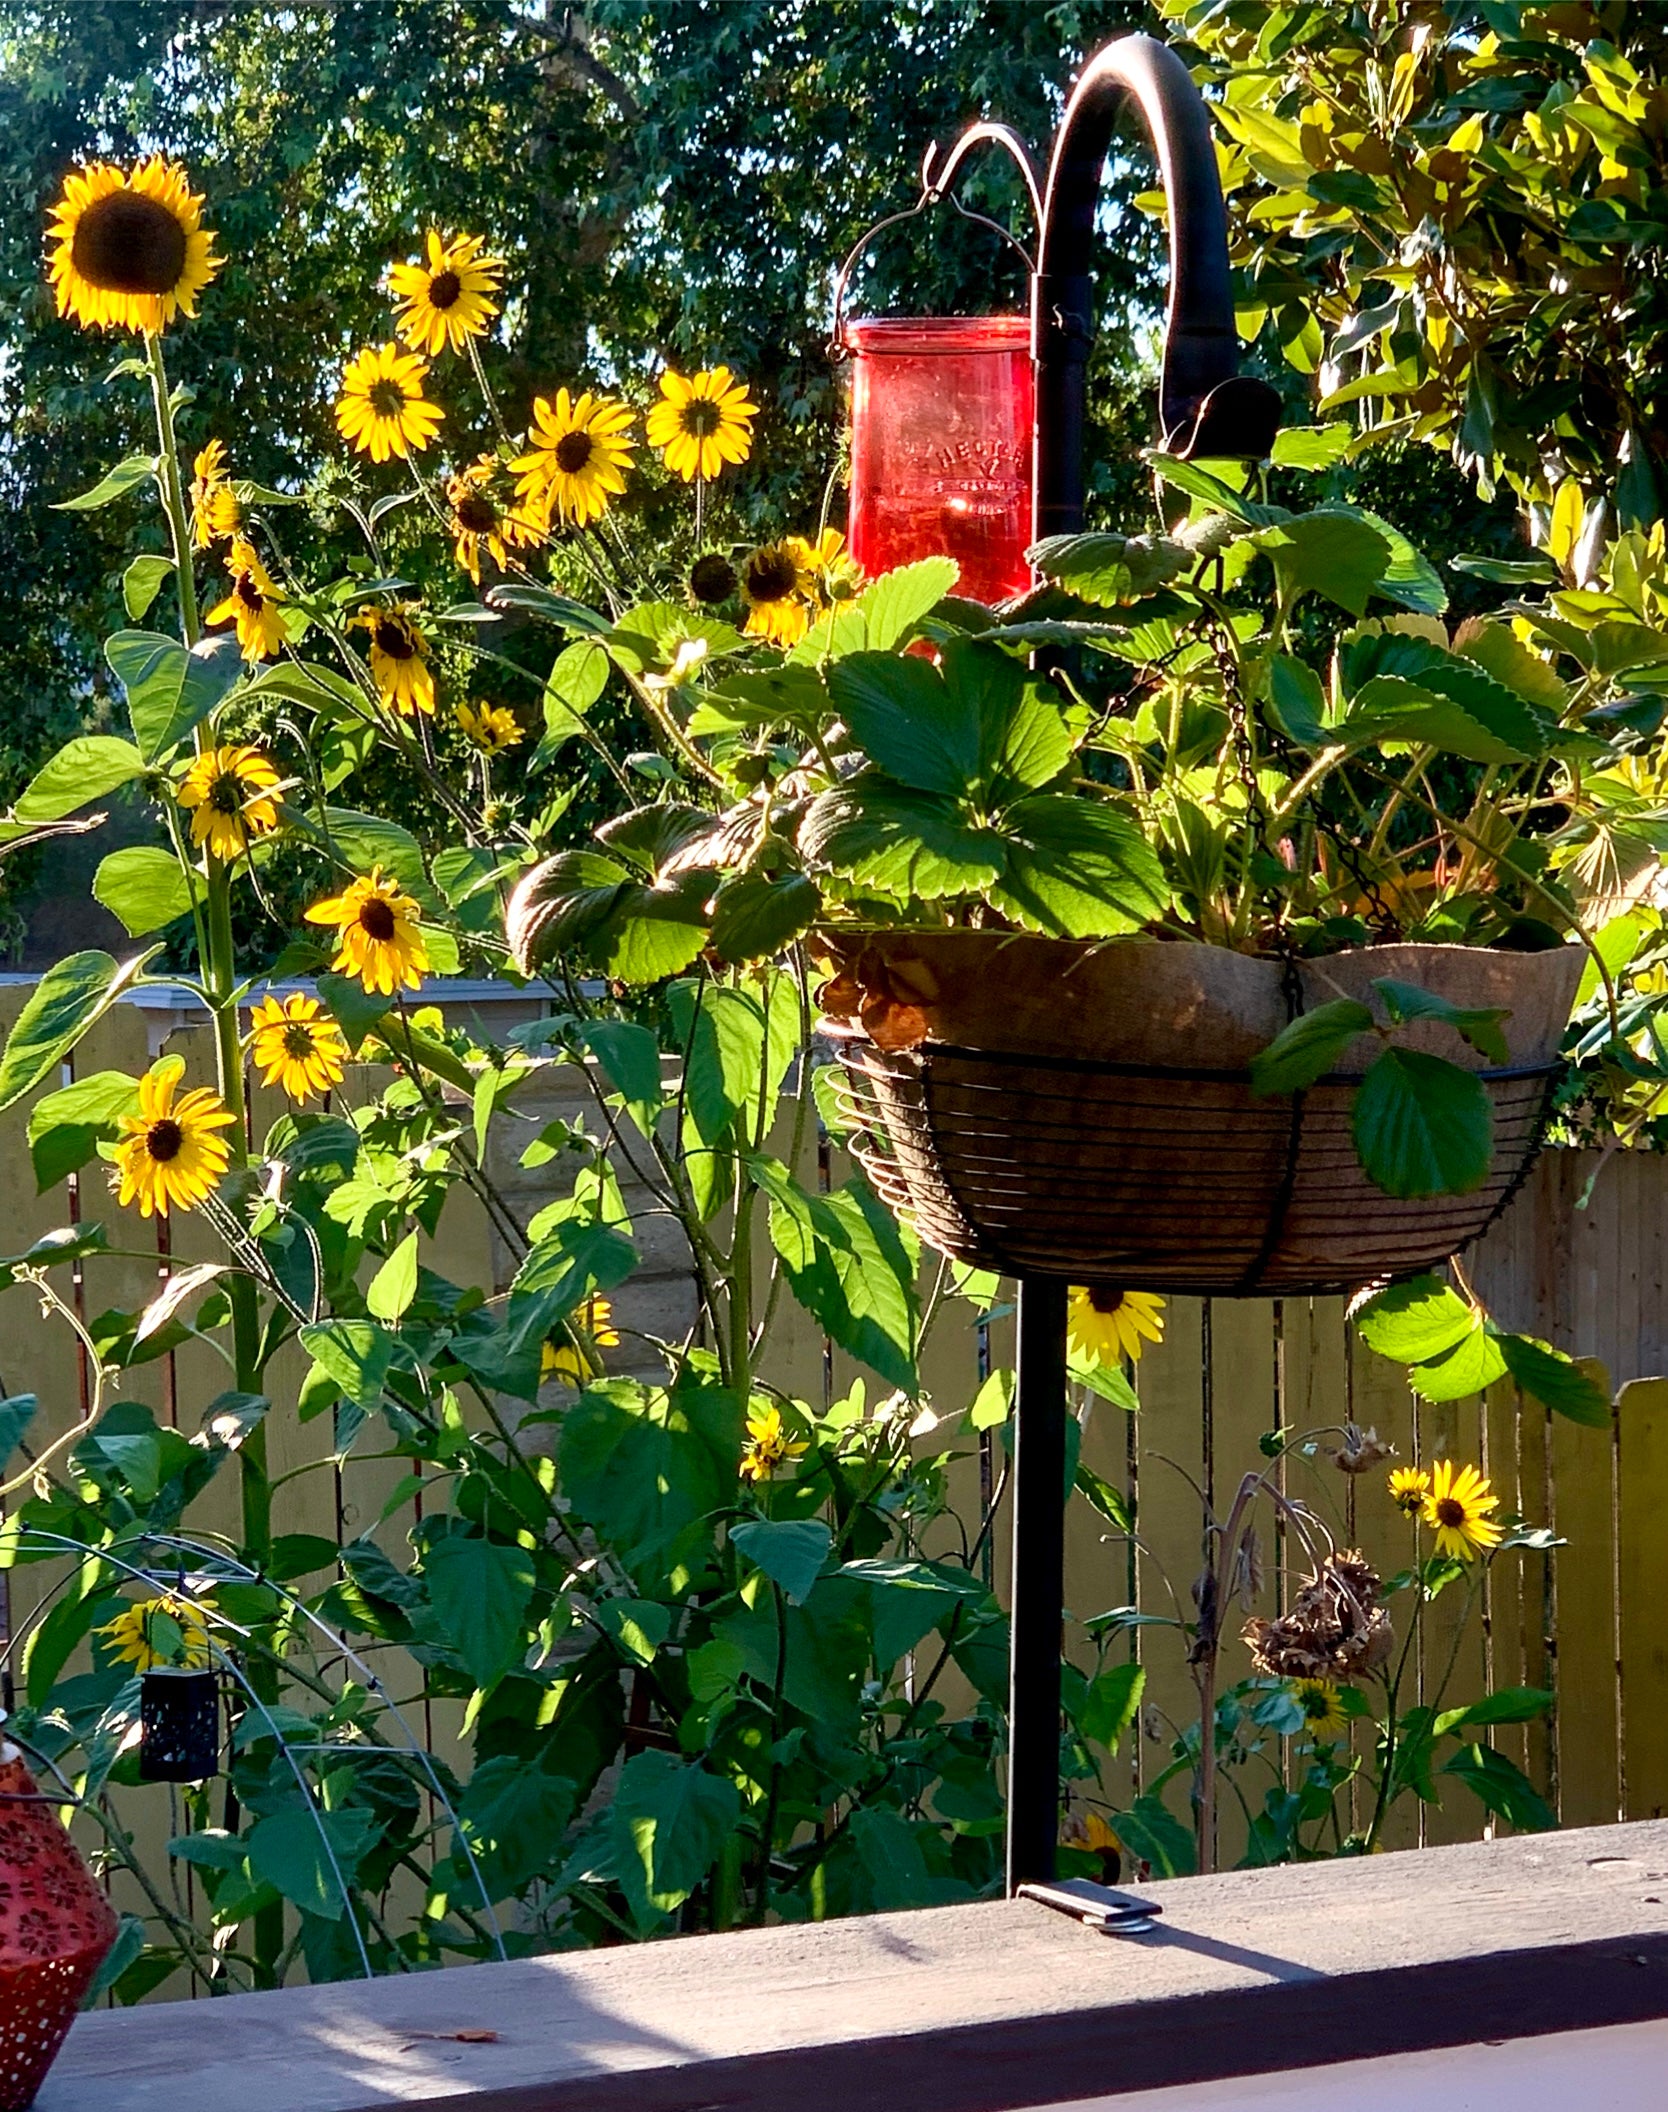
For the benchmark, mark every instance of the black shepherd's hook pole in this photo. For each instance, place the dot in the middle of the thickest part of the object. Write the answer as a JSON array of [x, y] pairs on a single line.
[[1205, 408]]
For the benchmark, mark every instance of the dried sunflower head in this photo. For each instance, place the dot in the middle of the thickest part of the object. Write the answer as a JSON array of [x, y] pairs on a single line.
[[1360, 1450], [1335, 1628]]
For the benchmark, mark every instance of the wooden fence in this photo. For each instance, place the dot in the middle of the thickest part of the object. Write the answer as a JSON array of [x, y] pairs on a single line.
[[1590, 1621]]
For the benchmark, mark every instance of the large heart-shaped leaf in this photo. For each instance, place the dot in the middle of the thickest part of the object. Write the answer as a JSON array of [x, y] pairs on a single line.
[[169, 689], [1423, 1126], [1077, 869]]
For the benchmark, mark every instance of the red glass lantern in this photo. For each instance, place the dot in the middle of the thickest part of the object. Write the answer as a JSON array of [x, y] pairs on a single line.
[[55, 1927], [942, 410]]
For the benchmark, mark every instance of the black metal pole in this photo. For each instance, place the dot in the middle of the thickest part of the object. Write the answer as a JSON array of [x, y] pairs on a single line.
[[1037, 1590]]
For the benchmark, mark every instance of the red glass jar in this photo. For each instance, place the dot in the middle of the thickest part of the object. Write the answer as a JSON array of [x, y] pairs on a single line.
[[942, 412]]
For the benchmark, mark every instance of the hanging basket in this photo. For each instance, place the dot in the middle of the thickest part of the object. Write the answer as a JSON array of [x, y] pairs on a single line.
[[1054, 1107], [55, 1927]]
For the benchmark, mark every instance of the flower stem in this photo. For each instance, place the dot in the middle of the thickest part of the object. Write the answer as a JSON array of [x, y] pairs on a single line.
[[173, 490]]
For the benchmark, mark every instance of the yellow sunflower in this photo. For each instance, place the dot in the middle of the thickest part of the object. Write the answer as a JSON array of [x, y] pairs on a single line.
[[171, 1153], [449, 299], [490, 726], [378, 938], [128, 250], [701, 422], [1089, 1832], [768, 1444], [399, 656], [1105, 1324], [578, 459], [228, 792], [1408, 1486], [253, 604], [575, 1360], [295, 1044], [478, 521], [834, 575], [215, 511], [1456, 1508], [382, 408], [1323, 1711], [776, 589], [158, 1632]]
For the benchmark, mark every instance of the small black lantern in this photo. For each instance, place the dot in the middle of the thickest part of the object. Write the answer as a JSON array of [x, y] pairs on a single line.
[[179, 1724]]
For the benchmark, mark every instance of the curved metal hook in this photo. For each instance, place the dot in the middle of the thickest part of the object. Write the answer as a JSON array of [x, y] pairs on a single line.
[[929, 197], [936, 182]]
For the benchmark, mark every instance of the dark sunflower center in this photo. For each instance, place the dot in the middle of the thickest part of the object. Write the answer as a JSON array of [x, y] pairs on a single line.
[[249, 594], [771, 575], [226, 795], [1450, 1513], [444, 289], [129, 244], [573, 451], [376, 920], [712, 579], [1105, 1300], [163, 1140], [298, 1037], [387, 398], [476, 514], [1315, 1706], [701, 416], [394, 641]]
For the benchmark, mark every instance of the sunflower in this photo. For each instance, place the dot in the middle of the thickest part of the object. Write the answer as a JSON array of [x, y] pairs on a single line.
[[171, 1153], [295, 1044], [382, 408], [128, 251], [776, 588], [834, 574], [575, 1360], [215, 510], [1456, 1508], [377, 934], [712, 579], [1089, 1832], [478, 520], [1323, 1711], [578, 459], [490, 727], [448, 300], [1105, 1324], [253, 604], [1408, 1486], [158, 1632], [768, 1444], [701, 422], [230, 790], [399, 658]]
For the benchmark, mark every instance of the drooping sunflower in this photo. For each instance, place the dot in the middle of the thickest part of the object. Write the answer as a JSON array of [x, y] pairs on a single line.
[[297, 1045], [1456, 1508], [399, 657], [833, 573], [171, 1153], [478, 519], [575, 1360], [768, 1444], [701, 422], [378, 938], [382, 409], [1320, 1700], [448, 299], [578, 459], [490, 727], [128, 249], [776, 589], [228, 792], [254, 604], [165, 1631], [1106, 1324], [215, 510], [1407, 1488]]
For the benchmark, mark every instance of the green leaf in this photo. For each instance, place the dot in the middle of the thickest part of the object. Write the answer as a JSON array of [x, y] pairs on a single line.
[[144, 887], [1555, 1380], [636, 1627], [994, 1401], [1409, 578], [1509, 571], [909, 720], [579, 1257], [1391, 708], [1104, 1497], [1308, 1047], [1110, 570], [300, 1852], [1201, 483], [1154, 1835], [629, 1058], [1422, 1126], [479, 1590], [641, 1466], [1326, 553], [578, 678], [881, 837], [67, 1127], [83, 770], [114, 484], [362, 841], [1311, 447], [513, 1817], [17, 1412], [170, 690], [848, 1267], [1111, 1704], [1077, 869], [357, 1354], [68, 998], [790, 1551], [1297, 703], [1414, 1321], [390, 1291], [894, 604], [754, 918], [1501, 1787], [1479, 1025], [1506, 1705], [1471, 1366], [142, 582], [355, 1009], [670, 1821], [528, 599]]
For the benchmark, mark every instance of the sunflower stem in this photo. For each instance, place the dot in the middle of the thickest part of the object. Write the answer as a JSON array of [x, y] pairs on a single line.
[[173, 489]]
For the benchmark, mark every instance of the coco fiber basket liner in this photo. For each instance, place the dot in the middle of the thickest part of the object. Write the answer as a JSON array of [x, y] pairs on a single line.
[[1053, 1107]]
